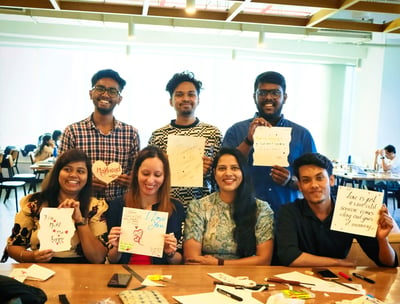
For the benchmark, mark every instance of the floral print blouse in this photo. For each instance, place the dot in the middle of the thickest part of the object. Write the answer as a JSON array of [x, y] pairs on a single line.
[[210, 222], [26, 226]]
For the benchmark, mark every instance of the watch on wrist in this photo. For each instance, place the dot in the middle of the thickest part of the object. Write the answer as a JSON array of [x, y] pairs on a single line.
[[248, 141], [81, 223]]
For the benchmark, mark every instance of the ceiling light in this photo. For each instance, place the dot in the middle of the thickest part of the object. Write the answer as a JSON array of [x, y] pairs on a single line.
[[190, 6]]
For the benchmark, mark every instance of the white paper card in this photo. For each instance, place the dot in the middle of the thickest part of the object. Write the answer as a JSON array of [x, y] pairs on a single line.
[[271, 146], [56, 228], [185, 156], [106, 173], [40, 273], [357, 211], [142, 231]]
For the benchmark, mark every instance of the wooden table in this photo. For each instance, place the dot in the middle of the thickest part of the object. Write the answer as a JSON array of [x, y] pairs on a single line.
[[87, 283]]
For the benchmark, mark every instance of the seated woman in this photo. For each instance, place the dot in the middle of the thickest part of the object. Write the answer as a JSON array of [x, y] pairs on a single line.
[[68, 185], [229, 226], [45, 150], [149, 190]]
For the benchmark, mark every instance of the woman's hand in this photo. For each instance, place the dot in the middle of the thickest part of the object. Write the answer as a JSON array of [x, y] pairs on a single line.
[[113, 236], [71, 203], [202, 260], [170, 243], [385, 223], [42, 256]]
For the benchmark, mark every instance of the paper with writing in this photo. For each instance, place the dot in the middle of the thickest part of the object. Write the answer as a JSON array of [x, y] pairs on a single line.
[[142, 231], [56, 228], [185, 156], [271, 146], [357, 211], [106, 173]]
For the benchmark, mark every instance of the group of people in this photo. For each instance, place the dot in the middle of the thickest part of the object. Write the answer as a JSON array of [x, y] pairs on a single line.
[[243, 213], [47, 146]]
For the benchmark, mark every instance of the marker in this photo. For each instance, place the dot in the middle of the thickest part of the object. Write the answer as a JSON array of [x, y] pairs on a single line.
[[360, 276], [282, 281], [228, 294], [342, 274]]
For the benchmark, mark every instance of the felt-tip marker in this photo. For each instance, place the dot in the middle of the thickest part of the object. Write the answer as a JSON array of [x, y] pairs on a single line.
[[228, 294], [342, 274], [360, 276]]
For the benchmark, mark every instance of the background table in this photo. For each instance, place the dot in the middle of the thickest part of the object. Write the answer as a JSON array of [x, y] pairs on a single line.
[[87, 283]]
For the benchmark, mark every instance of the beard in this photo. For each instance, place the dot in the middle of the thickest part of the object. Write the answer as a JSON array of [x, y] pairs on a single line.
[[105, 111]]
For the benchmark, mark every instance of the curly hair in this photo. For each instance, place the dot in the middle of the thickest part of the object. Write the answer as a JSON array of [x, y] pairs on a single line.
[[178, 78]]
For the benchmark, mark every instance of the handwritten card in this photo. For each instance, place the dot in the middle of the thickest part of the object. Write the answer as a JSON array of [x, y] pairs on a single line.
[[357, 211], [185, 155], [271, 146], [56, 228], [106, 173], [142, 231]]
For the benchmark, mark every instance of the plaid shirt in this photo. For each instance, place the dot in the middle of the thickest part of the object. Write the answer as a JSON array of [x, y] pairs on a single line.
[[121, 145]]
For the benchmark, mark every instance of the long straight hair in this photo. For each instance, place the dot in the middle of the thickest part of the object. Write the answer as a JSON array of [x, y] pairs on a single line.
[[244, 205], [132, 197], [51, 186]]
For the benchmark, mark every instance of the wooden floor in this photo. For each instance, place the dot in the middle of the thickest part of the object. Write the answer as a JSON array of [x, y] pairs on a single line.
[[8, 210]]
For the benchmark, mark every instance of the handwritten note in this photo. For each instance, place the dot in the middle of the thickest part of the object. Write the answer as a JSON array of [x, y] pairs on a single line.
[[106, 173], [271, 146], [142, 231], [56, 228], [185, 155], [356, 211]]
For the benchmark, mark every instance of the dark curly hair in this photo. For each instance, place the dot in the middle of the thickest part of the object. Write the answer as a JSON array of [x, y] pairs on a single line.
[[316, 159], [178, 78]]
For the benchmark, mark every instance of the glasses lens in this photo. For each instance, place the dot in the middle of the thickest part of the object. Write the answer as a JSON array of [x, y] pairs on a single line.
[[111, 91], [273, 93]]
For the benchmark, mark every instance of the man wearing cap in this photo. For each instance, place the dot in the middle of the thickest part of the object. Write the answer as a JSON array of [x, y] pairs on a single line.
[[103, 137], [274, 184]]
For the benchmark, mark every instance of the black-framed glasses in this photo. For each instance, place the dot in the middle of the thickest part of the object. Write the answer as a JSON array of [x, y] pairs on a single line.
[[113, 92], [264, 93]]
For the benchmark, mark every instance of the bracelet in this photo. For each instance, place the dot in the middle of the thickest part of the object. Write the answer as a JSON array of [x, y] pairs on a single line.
[[221, 262], [248, 141], [83, 223]]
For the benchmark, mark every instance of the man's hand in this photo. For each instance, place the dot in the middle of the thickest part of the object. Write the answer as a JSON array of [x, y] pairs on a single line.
[[385, 223], [280, 175]]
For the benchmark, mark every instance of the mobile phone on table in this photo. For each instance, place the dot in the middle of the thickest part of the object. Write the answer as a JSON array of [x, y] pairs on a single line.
[[325, 274], [119, 280]]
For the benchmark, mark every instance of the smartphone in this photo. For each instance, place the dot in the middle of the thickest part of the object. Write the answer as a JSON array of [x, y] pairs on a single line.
[[325, 274], [119, 280]]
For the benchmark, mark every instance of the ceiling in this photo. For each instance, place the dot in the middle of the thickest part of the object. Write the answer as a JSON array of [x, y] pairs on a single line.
[[346, 21]]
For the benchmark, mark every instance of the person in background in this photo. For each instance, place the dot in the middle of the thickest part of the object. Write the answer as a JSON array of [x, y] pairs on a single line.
[[103, 137], [275, 184], [56, 136], [229, 226], [388, 161], [184, 90], [45, 149], [68, 185], [303, 235], [149, 190]]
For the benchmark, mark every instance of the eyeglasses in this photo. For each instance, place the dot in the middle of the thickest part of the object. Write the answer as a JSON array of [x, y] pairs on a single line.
[[273, 93], [113, 92]]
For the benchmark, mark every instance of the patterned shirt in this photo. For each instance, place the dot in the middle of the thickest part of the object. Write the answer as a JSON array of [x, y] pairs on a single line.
[[213, 138], [210, 222], [26, 226], [121, 145]]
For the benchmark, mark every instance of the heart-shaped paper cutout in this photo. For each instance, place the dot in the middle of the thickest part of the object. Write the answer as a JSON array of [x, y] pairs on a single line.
[[106, 173]]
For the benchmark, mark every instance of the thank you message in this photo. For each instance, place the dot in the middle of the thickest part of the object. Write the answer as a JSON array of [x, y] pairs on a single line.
[[357, 211]]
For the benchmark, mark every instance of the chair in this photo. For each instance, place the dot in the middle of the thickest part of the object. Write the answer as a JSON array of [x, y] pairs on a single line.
[[9, 185], [26, 177], [35, 171], [28, 148], [14, 153]]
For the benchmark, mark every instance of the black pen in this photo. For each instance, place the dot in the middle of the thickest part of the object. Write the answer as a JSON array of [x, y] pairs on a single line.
[[340, 283], [228, 294], [360, 276]]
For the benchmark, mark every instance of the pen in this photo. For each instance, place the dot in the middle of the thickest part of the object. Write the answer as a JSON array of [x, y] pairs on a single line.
[[340, 283], [282, 281], [255, 287], [342, 274], [228, 294], [360, 276]]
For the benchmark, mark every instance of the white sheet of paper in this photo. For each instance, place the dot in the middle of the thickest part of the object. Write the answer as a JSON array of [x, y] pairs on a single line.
[[40, 273], [216, 297], [271, 146], [142, 231], [357, 211], [320, 285], [185, 156], [56, 228]]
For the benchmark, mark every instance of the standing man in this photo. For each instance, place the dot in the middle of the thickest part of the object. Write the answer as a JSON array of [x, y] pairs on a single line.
[[103, 137], [303, 232], [184, 90], [272, 184]]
